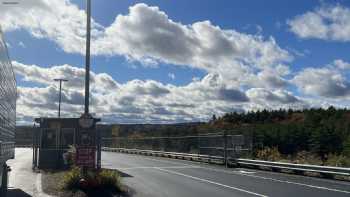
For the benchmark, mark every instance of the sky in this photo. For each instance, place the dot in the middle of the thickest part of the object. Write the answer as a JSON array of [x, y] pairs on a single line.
[[164, 61]]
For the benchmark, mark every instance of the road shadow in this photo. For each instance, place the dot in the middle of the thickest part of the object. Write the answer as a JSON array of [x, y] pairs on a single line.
[[17, 193], [122, 174]]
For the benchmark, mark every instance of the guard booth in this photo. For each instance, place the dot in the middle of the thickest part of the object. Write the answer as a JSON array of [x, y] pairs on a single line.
[[54, 138]]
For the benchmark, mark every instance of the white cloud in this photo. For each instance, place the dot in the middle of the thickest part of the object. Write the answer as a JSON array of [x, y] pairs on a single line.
[[171, 76], [329, 82], [57, 20], [341, 64], [133, 101], [261, 95], [326, 23], [243, 71], [200, 45], [146, 34], [21, 44], [100, 82]]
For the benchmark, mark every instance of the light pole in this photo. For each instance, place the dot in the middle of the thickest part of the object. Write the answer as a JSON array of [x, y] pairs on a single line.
[[60, 95], [87, 56], [10, 2]]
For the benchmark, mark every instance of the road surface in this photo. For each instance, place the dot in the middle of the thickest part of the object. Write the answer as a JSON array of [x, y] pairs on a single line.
[[23, 182], [162, 177]]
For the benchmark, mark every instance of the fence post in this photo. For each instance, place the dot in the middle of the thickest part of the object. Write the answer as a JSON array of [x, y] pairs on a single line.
[[199, 148], [225, 148]]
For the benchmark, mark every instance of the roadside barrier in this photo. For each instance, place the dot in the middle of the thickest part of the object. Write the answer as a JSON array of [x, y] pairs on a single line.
[[326, 171]]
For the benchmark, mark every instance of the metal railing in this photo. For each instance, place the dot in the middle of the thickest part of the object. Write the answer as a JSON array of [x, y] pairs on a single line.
[[323, 170], [295, 167], [216, 145], [175, 155]]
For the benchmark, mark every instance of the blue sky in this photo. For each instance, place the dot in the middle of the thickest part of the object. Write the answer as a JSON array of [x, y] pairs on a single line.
[[280, 51]]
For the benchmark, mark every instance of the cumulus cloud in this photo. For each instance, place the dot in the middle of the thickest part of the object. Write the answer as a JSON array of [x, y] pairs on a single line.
[[58, 20], [243, 71], [146, 34], [327, 81], [139, 100], [340, 64], [100, 82], [326, 23], [278, 96]]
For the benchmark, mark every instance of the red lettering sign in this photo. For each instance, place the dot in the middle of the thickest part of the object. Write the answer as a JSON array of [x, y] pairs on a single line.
[[86, 157]]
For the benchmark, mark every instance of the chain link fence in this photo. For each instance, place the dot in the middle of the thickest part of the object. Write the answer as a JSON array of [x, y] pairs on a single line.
[[213, 144]]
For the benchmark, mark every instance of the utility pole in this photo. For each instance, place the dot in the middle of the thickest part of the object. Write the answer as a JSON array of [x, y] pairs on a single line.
[[89, 139], [60, 95], [87, 56]]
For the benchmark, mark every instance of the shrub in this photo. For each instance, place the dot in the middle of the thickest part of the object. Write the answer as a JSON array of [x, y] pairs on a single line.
[[304, 157], [93, 180], [338, 161], [71, 179], [346, 147], [269, 154], [109, 179]]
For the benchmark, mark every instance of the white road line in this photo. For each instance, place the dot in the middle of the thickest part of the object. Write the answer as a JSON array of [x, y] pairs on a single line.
[[278, 180], [255, 176], [261, 177], [296, 183], [211, 182]]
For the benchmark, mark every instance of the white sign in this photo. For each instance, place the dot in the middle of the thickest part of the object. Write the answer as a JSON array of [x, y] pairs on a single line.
[[86, 122]]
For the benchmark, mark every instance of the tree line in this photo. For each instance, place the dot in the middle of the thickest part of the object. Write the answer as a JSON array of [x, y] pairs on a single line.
[[322, 132]]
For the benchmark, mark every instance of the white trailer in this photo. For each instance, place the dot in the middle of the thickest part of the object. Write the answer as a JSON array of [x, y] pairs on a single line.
[[8, 97]]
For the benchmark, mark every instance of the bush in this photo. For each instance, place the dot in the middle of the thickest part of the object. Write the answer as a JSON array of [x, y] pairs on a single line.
[[94, 180], [346, 147], [269, 154], [109, 179], [338, 160], [71, 179], [304, 157]]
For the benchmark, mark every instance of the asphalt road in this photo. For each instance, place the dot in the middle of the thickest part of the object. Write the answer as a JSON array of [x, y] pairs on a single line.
[[23, 182], [162, 177]]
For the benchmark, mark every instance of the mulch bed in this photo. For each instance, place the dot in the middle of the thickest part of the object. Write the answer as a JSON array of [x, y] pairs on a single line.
[[52, 184]]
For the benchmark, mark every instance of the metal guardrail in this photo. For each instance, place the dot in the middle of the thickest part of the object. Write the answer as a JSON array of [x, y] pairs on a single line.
[[324, 170], [295, 167], [176, 155]]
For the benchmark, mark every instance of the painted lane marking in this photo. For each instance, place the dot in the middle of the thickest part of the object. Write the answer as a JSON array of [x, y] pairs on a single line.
[[211, 182], [300, 184], [278, 180], [246, 172], [250, 175]]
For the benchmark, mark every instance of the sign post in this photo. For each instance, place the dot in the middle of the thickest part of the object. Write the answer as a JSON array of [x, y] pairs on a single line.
[[88, 140], [86, 146]]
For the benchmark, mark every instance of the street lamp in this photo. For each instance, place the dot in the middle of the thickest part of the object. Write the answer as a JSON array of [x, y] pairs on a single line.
[[60, 95]]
